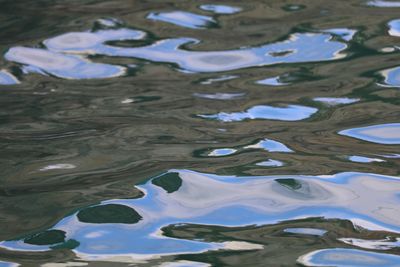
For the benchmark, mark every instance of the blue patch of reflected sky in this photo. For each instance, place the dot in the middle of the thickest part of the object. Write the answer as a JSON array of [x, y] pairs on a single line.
[[305, 231], [222, 152], [394, 27], [345, 257], [383, 3], [383, 244], [391, 77], [219, 79], [344, 33], [184, 19], [391, 156], [288, 113], [333, 101], [270, 146], [273, 81], [381, 134], [270, 163], [361, 159], [221, 9], [90, 42], [7, 78]]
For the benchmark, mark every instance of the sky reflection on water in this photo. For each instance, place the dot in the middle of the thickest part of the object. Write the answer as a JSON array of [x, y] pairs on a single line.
[[381, 134], [383, 3], [221, 9], [299, 47], [348, 258], [184, 19], [7, 78], [368, 200], [288, 113], [168, 106]]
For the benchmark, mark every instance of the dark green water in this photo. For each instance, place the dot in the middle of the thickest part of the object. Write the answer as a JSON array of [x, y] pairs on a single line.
[[198, 133]]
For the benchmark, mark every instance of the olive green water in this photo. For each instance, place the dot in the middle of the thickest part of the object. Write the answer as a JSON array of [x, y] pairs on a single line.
[[171, 157]]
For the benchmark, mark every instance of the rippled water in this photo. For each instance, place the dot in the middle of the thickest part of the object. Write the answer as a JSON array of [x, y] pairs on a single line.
[[182, 133]]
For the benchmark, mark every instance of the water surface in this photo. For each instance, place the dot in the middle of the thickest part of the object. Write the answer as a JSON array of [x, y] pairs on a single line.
[[181, 133]]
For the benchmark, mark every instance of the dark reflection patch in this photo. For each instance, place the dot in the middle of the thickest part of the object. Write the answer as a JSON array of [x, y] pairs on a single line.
[[289, 183], [170, 182], [49, 237], [110, 213]]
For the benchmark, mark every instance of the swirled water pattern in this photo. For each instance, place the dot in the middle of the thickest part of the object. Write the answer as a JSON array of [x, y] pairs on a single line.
[[134, 228], [199, 133]]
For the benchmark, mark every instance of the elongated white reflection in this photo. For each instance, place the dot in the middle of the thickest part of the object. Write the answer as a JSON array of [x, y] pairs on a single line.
[[381, 134], [184, 19], [270, 146], [305, 231], [273, 81], [287, 113], [221, 9], [60, 65], [362, 159], [270, 163], [383, 3], [334, 101], [384, 244], [8, 264], [90, 42]]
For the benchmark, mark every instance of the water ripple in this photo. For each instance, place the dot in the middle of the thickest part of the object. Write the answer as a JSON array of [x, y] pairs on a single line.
[[383, 3], [299, 47], [381, 134], [62, 66], [333, 101], [134, 227], [7, 78], [270, 163], [383, 244], [183, 18], [288, 113], [348, 257], [221, 9], [305, 231], [394, 27]]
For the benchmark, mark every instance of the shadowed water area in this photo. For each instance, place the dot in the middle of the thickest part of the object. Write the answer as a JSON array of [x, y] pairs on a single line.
[[200, 133]]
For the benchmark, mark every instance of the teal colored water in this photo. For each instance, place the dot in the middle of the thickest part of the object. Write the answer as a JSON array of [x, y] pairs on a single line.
[[198, 133]]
